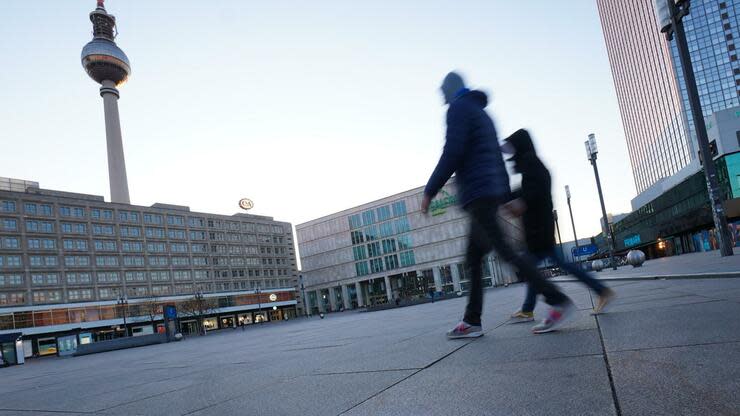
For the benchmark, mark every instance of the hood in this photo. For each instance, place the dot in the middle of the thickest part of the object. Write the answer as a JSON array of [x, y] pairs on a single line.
[[479, 97], [522, 143]]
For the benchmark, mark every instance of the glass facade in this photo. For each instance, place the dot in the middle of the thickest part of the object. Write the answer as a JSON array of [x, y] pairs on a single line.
[[711, 30], [647, 91]]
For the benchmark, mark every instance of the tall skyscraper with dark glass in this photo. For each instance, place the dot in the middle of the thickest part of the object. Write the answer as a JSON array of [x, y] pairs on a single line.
[[649, 85]]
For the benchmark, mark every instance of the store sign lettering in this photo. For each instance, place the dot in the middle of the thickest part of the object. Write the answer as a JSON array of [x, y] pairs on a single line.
[[632, 240], [439, 206]]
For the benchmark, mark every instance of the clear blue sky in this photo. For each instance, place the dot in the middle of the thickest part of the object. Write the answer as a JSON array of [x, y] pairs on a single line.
[[305, 107]]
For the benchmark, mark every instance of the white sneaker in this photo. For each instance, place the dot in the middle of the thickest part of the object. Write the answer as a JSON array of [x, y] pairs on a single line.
[[556, 317], [465, 330]]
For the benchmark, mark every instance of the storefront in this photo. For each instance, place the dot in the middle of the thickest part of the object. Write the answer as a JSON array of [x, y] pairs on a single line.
[[11, 349]]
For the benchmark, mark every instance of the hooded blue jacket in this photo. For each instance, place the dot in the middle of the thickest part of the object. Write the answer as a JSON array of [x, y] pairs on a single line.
[[471, 152]]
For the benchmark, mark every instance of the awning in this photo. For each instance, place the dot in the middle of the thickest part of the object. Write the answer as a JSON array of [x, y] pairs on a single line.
[[11, 337]]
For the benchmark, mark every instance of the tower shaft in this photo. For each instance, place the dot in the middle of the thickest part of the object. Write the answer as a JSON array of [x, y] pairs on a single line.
[[116, 161]]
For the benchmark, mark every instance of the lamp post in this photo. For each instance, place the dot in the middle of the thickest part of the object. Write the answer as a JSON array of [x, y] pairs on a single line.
[[303, 294], [670, 14], [259, 304], [572, 223], [199, 304], [591, 153], [123, 303], [557, 227]]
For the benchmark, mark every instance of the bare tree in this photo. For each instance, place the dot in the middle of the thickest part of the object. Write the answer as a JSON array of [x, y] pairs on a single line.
[[151, 307], [198, 306]]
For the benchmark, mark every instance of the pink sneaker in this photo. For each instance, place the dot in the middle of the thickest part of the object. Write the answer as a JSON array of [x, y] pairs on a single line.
[[556, 317], [465, 330]]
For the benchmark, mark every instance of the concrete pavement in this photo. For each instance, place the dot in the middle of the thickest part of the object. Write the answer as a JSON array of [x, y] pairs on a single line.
[[666, 347]]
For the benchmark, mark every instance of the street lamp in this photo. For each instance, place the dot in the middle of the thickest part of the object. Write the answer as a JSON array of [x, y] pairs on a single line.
[[572, 223], [123, 303], [591, 153], [670, 14], [303, 294], [259, 303]]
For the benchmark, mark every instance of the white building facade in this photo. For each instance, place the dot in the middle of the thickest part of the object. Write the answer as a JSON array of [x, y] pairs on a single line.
[[387, 250]]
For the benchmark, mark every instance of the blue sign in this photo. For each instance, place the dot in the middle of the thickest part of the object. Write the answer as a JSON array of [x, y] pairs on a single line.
[[586, 250], [170, 312], [632, 240]]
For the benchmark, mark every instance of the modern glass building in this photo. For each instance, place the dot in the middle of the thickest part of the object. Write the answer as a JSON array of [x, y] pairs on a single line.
[[388, 250], [74, 267], [647, 91]]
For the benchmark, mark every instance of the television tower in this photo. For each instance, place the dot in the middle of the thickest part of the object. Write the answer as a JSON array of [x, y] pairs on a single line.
[[109, 66]]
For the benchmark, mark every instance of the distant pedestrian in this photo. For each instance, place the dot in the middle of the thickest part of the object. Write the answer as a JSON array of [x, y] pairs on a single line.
[[533, 201], [472, 152]]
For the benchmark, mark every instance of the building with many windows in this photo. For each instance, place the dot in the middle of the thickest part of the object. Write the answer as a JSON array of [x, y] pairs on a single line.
[[73, 266], [671, 213], [387, 250]]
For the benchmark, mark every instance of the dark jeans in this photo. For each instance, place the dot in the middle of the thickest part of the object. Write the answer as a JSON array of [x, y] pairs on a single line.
[[531, 299], [485, 234]]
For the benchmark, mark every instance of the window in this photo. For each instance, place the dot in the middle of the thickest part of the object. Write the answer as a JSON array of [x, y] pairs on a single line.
[[108, 293], [74, 245], [176, 234], [155, 219], [357, 237], [407, 258], [108, 277], [399, 208], [47, 227], [355, 221], [391, 262], [135, 276], [384, 213], [175, 220], [76, 212], [65, 211], [368, 217], [7, 206], [376, 265], [138, 291], [158, 261], [180, 261], [103, 261], [133, 261], [386, 229], [197, 235], [159, 275], [154, 232], [202, 274], [79, 294], [10, 243], [12, 298], [127, 216], [11, 280], [76, 261], [404, 242], [389, 246], [42, 261], [196, 222], [78, 278], [47, 296], [10, 261], [44, 279], [361, 268], [100, 229], [130, 231], [402, 225], [359, 252], [105, 245], [371, 233], [178, 248], [30, 208], [132, 246], [200, 261], [155, 247], [161, 290], [10, 224], [181, 274], [373, 249]]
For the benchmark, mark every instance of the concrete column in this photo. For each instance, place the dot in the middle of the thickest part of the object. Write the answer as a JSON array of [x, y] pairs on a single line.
[[455, 278], [360, 297], [345, 297], [332, 299], [388, 290], [320, 301], [437, 279], [116, 161]]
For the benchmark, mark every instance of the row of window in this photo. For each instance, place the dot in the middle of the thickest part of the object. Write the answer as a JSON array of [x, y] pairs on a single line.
[[380, 264], [373, 249], [384, 230], [32, 208], [379, 214]]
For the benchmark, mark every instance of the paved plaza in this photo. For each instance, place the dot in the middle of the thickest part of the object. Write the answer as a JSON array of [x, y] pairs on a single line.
[[666, 347]]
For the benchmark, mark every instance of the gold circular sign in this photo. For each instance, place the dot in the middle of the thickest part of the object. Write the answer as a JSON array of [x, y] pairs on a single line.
[[273, 297], [246, 204]]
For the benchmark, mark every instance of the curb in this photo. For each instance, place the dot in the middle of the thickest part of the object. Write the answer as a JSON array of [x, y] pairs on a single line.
[[721, 275]]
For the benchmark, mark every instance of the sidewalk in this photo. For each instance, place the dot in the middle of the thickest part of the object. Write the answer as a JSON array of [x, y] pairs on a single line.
[[666, 347], [705, 264]]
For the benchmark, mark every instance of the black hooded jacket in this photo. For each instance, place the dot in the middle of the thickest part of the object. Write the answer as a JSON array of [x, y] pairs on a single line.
[[538, 220]]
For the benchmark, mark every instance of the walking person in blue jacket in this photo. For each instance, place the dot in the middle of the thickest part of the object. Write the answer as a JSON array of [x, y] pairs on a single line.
[[472, 152]]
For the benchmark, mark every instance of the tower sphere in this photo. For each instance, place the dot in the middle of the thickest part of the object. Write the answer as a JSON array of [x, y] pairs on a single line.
[[101, 57]]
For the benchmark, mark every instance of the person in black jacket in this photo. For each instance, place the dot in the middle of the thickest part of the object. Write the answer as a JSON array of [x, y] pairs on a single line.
[[472, 152], [534, 202]]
